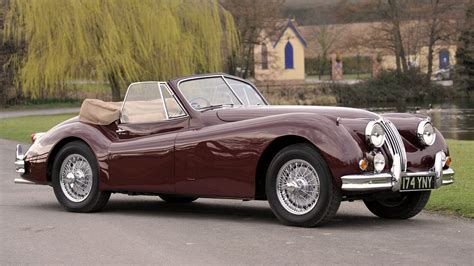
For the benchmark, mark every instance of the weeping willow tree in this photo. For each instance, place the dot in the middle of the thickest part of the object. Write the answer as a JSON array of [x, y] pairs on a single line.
[[115, 41]]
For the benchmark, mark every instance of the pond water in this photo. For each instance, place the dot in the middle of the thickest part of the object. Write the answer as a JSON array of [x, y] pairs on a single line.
[[455, 119]]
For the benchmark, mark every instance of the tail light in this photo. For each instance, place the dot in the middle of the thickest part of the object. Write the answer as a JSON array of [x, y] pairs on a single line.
[[36, 136]]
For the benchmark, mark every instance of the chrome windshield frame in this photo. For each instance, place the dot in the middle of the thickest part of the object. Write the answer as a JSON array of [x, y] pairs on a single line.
[[205, 77]]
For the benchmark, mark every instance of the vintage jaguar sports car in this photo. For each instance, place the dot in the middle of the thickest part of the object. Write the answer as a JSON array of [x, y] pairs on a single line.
[[215, 136]]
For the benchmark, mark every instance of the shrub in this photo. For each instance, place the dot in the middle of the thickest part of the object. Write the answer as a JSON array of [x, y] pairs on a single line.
[[352, 65], [391, 87]]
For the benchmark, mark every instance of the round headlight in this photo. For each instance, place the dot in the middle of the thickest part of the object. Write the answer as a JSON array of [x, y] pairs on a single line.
[[375, 134], [426, 133], [379, 162]]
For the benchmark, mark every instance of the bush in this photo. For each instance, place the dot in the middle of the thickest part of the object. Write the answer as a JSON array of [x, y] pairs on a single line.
[[352, 65], [392, 87]]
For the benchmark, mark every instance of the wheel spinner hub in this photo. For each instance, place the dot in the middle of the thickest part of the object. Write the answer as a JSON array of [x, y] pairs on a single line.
[[298, 186], [76, 178]]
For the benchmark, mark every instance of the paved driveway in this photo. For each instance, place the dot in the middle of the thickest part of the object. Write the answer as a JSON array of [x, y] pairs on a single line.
[[56, 111], [34, 229]]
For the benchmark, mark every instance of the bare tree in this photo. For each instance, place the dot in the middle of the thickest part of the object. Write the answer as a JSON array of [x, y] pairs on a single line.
[[326, 36], [252, 17], [439, 27]]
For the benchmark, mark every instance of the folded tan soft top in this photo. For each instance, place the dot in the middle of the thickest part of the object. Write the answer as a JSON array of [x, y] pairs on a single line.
[[98, 112]]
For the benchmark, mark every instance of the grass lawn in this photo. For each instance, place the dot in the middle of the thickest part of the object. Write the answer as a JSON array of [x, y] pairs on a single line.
[[21, 128], [454, 199], [459, 197]]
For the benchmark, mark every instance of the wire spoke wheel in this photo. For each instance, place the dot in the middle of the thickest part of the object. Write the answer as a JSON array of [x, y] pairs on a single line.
[[298, 186], [75, 177]]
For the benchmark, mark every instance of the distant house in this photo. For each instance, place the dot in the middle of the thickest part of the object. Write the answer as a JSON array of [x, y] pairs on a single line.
[[364, 39], [279, 56]]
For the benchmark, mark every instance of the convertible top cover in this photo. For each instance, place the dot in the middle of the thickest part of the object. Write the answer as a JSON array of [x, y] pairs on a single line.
[[94, 111]]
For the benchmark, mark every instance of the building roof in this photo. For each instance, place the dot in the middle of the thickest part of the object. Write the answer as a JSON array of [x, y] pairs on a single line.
[[290, 24]]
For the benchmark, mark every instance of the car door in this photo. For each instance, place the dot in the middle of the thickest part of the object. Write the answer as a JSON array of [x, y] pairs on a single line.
[[211, 159], [142, 157]]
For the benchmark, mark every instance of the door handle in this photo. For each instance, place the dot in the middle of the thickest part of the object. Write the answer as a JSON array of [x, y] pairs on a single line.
[[121, 131]]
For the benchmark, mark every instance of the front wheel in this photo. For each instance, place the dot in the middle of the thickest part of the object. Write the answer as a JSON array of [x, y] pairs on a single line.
[[299, 187], [402, 206], [75, 179]]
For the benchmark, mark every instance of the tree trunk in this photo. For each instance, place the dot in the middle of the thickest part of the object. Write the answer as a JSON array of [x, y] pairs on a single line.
[[401, 50], [430, 60], [115, 88], [249, 60], [397, 36]]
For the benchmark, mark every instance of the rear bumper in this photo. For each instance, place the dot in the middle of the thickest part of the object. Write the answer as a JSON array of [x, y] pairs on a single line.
[[20, 166], [19, 160], [391, 181]]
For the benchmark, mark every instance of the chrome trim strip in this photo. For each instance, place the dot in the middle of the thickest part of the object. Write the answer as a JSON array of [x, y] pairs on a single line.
[[177, 100], [163, 101], [230, 87], [20, 180]]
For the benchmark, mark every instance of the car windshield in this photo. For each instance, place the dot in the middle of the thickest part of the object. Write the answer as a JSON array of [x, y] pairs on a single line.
[[214, 92]]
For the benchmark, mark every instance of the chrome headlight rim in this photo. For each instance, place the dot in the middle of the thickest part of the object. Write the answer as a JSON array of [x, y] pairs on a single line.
[[420, 132], [368, 133]]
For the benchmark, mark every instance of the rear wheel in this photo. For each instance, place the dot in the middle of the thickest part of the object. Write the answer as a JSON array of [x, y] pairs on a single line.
[[177, 199], [299, 187], [402, 206], [75, 179]]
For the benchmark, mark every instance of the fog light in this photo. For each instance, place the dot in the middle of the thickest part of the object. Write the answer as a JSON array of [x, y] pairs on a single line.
[[379, 162], [363, 164]]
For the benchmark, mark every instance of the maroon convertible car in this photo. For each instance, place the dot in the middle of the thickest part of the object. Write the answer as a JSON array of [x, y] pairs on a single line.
[[215, 136]]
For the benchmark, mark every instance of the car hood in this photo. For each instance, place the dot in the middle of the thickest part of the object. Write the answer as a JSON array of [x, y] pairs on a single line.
[[246, 112]]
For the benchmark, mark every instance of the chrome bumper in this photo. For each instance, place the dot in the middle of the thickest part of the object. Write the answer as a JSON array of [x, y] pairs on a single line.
[[19, 162], [20, 166], [385, 181]]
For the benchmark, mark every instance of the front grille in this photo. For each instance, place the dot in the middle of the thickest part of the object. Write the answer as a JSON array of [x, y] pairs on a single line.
[[394, 142]]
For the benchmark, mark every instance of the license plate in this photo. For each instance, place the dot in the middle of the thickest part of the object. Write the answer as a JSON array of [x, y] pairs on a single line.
[[414, 183]]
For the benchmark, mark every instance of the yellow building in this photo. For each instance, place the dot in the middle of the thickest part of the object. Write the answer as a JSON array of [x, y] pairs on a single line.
[[280, 54], [443, 56]]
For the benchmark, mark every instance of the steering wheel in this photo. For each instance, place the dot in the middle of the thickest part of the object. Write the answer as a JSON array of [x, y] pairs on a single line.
[[195, 102]]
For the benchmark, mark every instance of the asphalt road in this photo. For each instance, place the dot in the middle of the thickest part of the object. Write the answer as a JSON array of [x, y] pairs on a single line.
[[145, 230], [55, 111]]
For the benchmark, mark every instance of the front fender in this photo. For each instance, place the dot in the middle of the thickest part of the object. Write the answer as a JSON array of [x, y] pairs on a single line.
[[339, 145]]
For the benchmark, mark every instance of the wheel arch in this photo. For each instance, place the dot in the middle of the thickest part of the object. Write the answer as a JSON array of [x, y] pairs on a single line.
[[268, 154], [54, 151]]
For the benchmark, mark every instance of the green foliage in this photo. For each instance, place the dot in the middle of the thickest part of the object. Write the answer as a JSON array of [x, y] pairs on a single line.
[[116, 41], [317, 66], [352, 65], [391, 87], [464, 74]]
